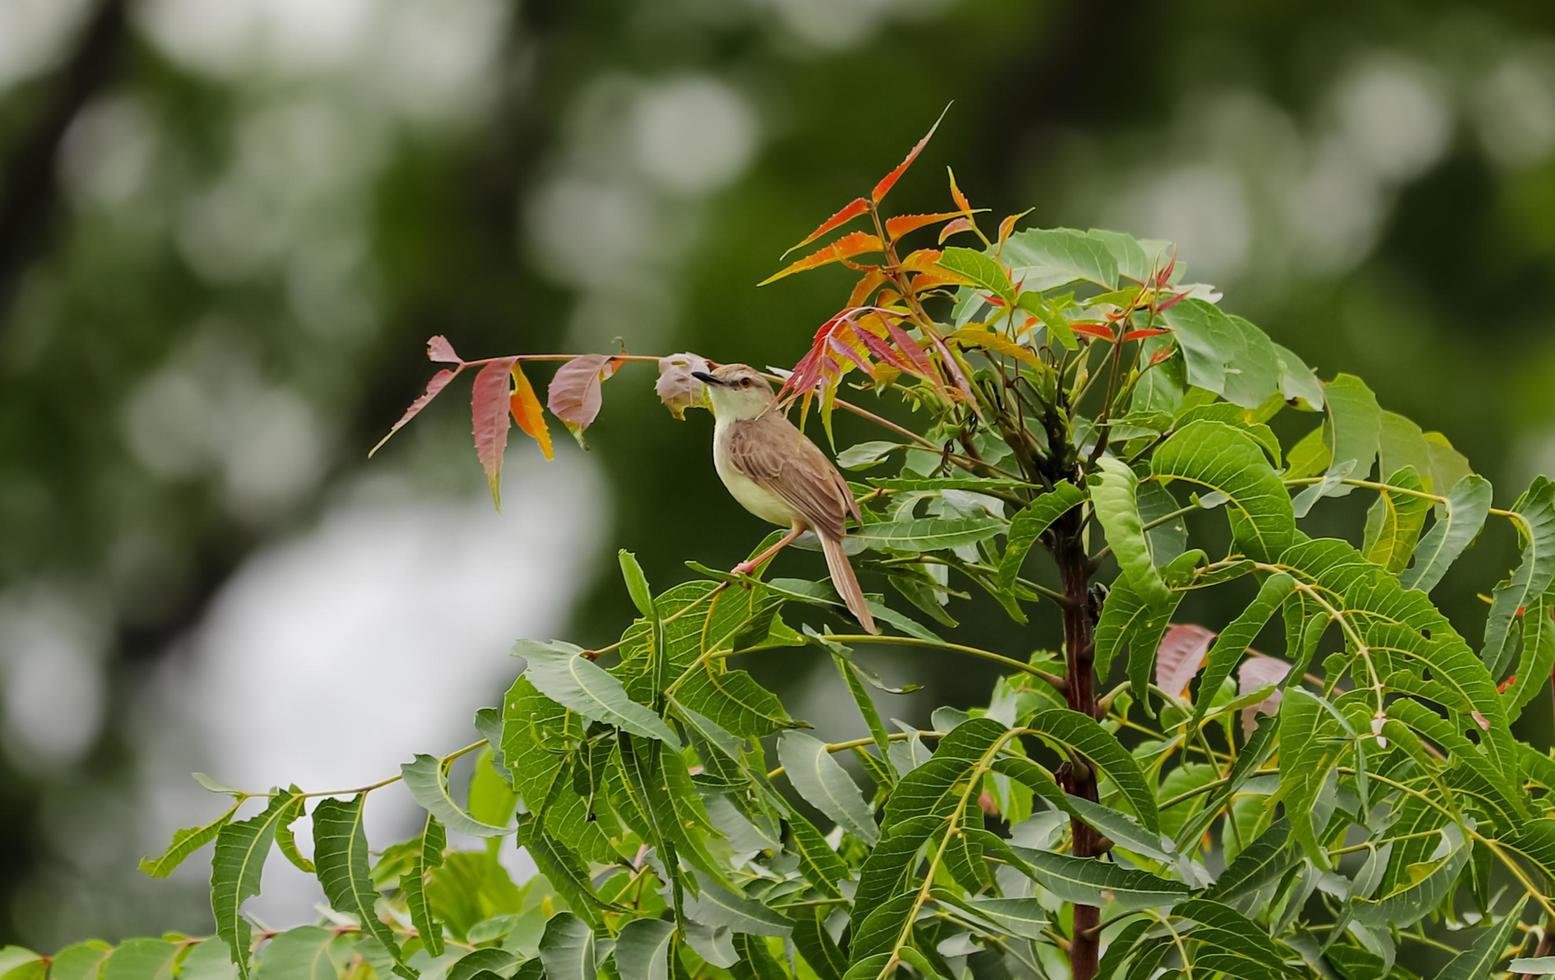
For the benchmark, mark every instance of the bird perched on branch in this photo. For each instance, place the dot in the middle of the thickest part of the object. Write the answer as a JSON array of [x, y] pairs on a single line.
[[778, 474]]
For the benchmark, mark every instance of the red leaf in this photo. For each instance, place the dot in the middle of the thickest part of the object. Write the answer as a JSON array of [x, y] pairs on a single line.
[[889, 180], [1260, 671], [574, 395], [921, 365], [849, 245], [845, 214], [841, 346], [489, 407], [1501, 687], [1093, 330], [527, 412], [440, 351], [1171, 302], [904, 223], [883, 352], [951, 367], [1142, 333], [1180, 655], [438, 382]]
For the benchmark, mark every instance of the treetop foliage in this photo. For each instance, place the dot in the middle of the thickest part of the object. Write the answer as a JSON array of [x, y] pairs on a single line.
[[1326, 785]]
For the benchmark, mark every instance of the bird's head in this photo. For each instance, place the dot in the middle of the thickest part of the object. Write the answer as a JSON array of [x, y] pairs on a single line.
[[738, 391]]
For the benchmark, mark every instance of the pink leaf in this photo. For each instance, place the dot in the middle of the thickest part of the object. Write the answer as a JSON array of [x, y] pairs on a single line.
[[910, 349], [440, 351], [676, 388], [1179, 657], [574, 395], [1256, 672], [489, 420], [438, 383]]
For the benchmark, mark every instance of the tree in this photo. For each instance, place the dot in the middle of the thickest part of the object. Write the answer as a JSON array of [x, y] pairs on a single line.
[[1155, 795]]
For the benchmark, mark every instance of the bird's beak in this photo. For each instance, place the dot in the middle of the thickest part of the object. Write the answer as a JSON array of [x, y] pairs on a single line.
[[705, 378]]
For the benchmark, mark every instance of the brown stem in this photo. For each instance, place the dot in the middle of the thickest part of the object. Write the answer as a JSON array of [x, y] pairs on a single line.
[[1079, 779]]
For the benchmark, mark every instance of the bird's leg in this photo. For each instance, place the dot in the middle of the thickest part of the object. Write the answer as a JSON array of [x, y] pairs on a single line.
[[750, 565]]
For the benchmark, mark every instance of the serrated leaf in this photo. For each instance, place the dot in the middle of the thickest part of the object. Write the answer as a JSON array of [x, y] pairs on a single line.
[[981, 269], [559, 672], [340, 851], [1457, 524], [241, 849], [1227, 943], [1043, 258], [927, 533], [1028, 525], [185, 842], [1080, 733], [816, 945], [822, 781], [305, 953], [884, 184], [1092, 881], [1536, 658], [435, 385], [428, 784], [1224, 460], [1308, 751], [1115, 498], [489, 407], [1261, 861], [567, 949], [1532, 577], [80, 961], [643, 950], [1023, 917], [1226, 354], [427, 855]]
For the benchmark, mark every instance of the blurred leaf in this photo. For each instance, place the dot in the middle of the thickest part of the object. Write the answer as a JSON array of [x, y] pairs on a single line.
[[1180, 656], [142, 959], [568, 948], [438, 382], [643, 950], [305, 953], [81, 961]]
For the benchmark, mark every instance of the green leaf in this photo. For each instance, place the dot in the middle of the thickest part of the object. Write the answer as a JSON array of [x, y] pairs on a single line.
[[567, 950], [1131, 625], [1023, 917], [142, 959], [562, 868], [1091, 881], [1351, 430], [1225, 354], [1536, 659], [1261, 861], [305, 953], [561, 673], [863, 455], [852, 677], [716, 906], [1394, 522], [1228, 943], [979, 268], [81, 961], [185, 842], [1308, 738], [1080, 733], [428, 854], [1115, 497], [18, 963], [241, 849], [636, 582], [1457, 524], [428, 785], [643, 950], [286, 838], [927, 533], [816, 945], [822, 781], [1536, 527], [1233, 641], [1029, 523], [1538, 966], [484, 964], [1044, 258], [1225, 460], [492, 799], [207, 959], [340, 851], [1488, 949]]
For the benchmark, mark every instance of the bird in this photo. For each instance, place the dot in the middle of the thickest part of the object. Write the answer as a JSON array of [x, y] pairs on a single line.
[[774, 471]]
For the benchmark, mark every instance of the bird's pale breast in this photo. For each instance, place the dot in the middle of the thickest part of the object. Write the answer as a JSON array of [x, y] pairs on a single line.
[[764, 504]]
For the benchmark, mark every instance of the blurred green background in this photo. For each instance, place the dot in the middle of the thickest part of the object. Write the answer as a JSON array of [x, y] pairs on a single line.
[[226, 229]]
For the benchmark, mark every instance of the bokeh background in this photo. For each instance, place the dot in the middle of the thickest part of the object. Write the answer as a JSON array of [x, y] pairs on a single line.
[[226, 229]]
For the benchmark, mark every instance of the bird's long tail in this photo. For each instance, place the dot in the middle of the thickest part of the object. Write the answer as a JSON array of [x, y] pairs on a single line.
[[845, 582]]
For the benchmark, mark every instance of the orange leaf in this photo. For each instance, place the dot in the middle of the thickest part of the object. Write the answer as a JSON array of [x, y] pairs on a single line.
[[438, 383], [845, 214], [440, 351], [955, 228], [574, 395], [922, 260], [1141, 334], [489, 420], [904, 223], [1008, 225], [956, 195], [866, 286], [889, 180], [849, 245], [937, 278], [1093, 330], [527, 412]]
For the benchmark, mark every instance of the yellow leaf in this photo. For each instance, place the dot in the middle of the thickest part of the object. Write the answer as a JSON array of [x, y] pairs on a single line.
[[527, 412], [979, 335]]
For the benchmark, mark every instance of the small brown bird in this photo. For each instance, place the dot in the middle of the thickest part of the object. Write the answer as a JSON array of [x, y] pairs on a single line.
[[779, 475]]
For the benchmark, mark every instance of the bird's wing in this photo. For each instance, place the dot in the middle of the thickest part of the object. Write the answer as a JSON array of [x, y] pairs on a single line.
[[778, 458]]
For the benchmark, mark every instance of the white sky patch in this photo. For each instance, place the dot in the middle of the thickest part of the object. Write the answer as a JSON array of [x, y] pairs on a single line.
[[330, 659], [1391, 112], [693, 134]]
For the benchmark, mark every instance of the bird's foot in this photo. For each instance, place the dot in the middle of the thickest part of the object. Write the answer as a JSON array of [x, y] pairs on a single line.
[[744, 568]]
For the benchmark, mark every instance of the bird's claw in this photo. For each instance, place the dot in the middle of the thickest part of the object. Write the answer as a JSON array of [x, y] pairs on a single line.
[[743, 568]]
